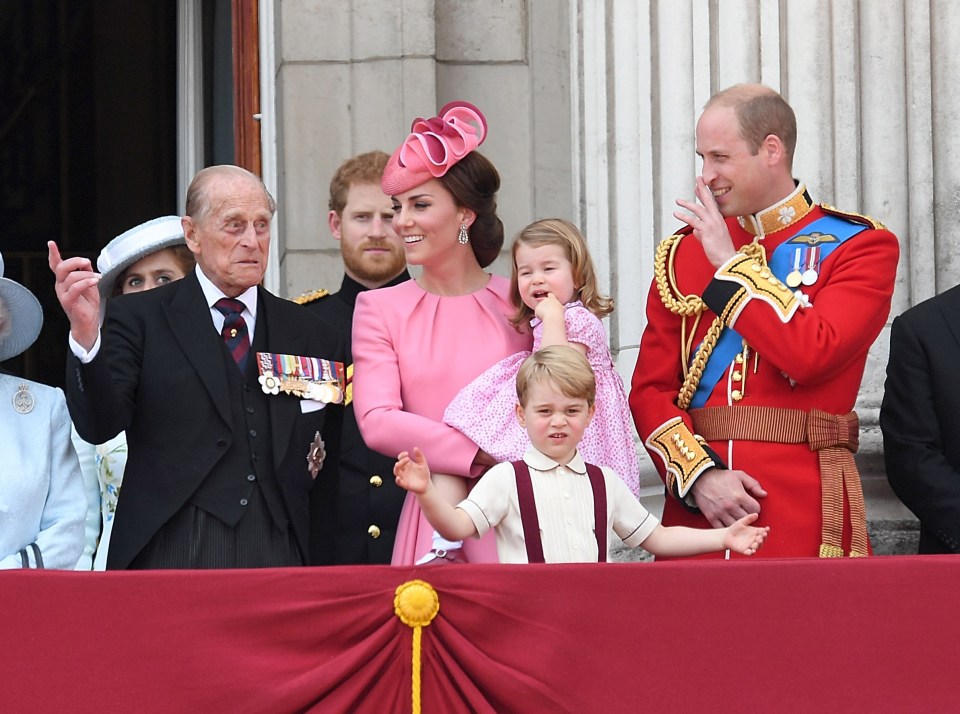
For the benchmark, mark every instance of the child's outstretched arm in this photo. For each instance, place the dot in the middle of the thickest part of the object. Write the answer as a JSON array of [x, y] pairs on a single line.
[[413, 474], [678, 541]]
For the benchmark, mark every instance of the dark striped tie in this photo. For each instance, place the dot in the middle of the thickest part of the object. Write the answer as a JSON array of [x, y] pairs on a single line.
[[234, 330]]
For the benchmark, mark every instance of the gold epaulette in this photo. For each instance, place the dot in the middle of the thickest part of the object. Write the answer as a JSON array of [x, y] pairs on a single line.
[[852, 216], [757, 282], [310, 296], [684, 457]]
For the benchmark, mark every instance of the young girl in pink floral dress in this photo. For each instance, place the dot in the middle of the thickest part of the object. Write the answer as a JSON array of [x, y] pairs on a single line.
[[554, 288]]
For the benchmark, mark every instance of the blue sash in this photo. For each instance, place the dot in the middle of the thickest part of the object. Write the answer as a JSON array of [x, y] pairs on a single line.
[[827, 233]]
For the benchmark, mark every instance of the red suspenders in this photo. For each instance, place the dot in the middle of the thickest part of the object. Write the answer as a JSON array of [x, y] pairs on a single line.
[[531, 523]]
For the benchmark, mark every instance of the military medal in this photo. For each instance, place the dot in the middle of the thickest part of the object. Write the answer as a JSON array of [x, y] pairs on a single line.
[[315, 455], [269, 383], [324, 392], [297, 387], [810, 275], [311, 378], [794, 278], [23, 401]]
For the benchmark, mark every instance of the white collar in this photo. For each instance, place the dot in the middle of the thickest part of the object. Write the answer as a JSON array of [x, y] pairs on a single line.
[[212, 293], [536, 459]]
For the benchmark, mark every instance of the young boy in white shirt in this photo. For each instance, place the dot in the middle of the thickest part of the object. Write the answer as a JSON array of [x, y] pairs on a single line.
[[544, 508]]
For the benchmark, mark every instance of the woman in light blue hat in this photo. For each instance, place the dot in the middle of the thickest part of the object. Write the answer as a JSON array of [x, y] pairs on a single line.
[[41, 489]]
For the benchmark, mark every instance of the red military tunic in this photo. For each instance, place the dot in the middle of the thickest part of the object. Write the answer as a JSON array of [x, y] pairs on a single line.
[[803, 347]]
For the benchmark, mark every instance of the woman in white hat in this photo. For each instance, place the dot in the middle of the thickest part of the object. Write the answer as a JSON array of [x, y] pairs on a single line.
[[41, 488], [144, 257]]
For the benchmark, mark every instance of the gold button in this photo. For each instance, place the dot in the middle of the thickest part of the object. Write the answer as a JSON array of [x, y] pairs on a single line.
[[736, 376], [376, 481], [374, 532], [738, 359], [737, 395]]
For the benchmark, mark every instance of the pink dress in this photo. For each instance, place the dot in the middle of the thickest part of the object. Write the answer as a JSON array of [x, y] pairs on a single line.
[[412, 352], [485, 411]]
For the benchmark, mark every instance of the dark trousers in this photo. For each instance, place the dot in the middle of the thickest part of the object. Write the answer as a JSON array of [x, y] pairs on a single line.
[[194, 538]]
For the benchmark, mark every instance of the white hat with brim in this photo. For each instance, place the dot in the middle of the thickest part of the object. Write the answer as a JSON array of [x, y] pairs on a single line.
[[21, 317], [129, 247]]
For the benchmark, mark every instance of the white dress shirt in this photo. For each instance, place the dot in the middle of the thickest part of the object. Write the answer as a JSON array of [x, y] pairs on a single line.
[[564, 501]]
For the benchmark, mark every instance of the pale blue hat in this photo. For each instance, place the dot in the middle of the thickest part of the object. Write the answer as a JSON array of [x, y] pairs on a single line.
[[21, 317], [134, 244]]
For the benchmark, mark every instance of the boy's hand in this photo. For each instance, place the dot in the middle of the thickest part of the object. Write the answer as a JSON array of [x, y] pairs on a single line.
[[412, 473], [743, 538], [550, 307]]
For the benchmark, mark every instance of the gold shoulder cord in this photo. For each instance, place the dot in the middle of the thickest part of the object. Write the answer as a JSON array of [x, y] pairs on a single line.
[[686, 306], [309, 296], [856, 217]]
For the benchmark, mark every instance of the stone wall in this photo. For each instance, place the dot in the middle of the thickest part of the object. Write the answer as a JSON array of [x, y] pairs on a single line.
[[592, 105], [352, 76]]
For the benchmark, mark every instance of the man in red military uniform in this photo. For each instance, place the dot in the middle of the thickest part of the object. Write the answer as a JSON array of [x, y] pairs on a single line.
[[759, 320]]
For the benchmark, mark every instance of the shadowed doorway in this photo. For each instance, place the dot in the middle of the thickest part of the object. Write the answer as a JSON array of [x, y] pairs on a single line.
[[88, 140]]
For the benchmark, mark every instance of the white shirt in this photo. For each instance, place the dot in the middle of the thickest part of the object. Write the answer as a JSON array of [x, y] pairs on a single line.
[[248, 297], [564, 501]]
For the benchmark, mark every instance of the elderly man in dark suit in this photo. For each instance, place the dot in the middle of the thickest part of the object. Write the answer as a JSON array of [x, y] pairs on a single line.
[[219, 472], [920, 418]]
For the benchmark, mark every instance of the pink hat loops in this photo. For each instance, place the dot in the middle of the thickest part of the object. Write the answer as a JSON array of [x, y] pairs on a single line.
[[434, 145], [437, 144]]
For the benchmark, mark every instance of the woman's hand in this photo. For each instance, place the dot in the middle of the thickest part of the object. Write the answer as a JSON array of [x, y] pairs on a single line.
[[484, 459]]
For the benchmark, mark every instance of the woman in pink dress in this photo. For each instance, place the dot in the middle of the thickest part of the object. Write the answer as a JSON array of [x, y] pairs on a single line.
[[416, 344]]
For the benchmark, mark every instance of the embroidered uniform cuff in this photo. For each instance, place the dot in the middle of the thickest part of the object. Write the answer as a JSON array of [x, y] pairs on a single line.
[[744, 278], [684, 455]]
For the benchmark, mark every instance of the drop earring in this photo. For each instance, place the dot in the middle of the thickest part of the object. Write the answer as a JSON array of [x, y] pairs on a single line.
[[463, 238]]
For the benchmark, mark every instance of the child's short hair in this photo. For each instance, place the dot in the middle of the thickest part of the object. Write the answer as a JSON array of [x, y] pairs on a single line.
[[565, 367]]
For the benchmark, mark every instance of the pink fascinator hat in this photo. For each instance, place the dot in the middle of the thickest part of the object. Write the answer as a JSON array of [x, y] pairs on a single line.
[[433, 146]]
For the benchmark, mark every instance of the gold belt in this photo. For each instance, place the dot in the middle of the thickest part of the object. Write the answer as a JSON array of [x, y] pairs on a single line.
[[835, 438]]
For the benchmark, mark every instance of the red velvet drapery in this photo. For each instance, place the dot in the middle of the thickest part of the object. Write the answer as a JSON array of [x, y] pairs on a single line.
[[876, 635]]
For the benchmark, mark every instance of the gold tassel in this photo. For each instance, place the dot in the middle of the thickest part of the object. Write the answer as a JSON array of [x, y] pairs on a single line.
[[416, 603]]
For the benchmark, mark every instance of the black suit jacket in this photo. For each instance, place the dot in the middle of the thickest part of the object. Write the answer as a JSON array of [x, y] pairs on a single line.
[[160, 375], [920, 418], [355, 509]]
